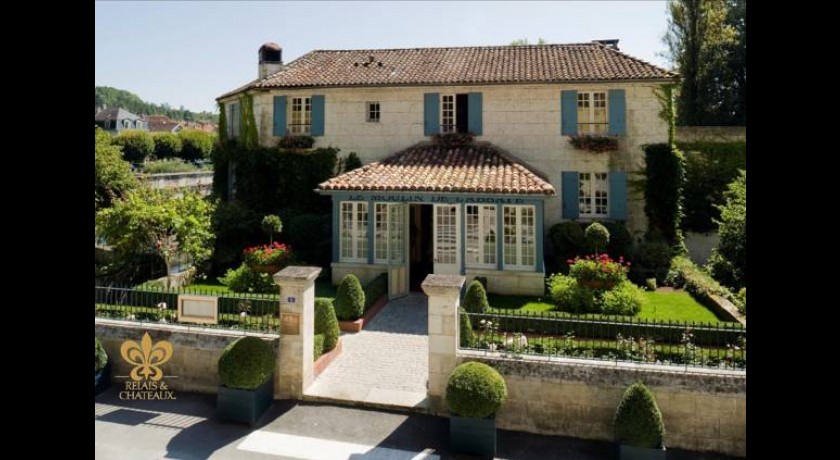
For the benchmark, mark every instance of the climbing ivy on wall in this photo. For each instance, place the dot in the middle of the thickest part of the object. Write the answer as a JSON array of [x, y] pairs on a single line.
[[663, 183], [222, 123], [247, 124]]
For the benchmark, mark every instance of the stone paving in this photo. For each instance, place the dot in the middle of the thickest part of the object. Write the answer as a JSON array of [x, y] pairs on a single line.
[[386, 364]]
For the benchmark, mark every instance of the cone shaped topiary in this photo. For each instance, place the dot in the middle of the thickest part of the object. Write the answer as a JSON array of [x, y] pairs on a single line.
[[246, 363], [475, 390], [326, 323], [350, 299], [467, 334], [475, 301], [638, 421]]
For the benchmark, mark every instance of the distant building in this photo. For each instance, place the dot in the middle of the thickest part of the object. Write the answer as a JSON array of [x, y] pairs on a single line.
[[162, 124], [115, 120]]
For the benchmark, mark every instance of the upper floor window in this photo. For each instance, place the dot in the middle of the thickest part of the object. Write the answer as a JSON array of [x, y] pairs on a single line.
[[454, 114], [301, 115], [373, 112], [593, 195], [233, 120], [592, 112]]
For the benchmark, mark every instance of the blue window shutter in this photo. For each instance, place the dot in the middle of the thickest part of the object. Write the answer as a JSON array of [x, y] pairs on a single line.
[[317, 128], [474, 112], [618, 195], [571, 193], [617, 119], [431, 114], [279, 115], [568, 113]]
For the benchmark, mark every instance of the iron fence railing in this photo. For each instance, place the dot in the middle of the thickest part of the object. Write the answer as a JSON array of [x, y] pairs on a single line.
[[708, 345], [250, 312]]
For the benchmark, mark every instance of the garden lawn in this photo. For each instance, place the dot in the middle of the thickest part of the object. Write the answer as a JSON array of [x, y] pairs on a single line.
[[661, 305]]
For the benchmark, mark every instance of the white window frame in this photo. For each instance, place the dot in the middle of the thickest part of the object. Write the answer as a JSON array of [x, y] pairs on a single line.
[[358, 249], [388, 233], [370, 111], [519, 236], [451, 127], [589, 186], [589, 124], [302, 108], [479, 243]]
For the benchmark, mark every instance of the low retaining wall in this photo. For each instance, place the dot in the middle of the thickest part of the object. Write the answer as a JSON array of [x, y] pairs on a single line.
[[711, 133], [201, 181], [702, 411], [195, 351]]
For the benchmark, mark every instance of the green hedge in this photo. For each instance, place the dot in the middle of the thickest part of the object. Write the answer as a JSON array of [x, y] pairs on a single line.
[[709, 168], [375, 289], [195, 144], [167, 145], [246, 363], [685, 274], [326, 323], [136, 145], [663, 183]]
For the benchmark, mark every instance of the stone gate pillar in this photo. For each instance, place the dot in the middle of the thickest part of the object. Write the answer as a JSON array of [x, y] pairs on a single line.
[[297, 319], [444, 293]]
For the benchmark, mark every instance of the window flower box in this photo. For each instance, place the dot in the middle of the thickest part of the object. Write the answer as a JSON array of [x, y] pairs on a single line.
[[594, 143], [298, 142]]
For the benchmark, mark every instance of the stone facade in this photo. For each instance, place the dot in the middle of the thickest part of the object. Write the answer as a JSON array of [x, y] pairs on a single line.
[[195, 352], [523, 119], [365, 272], [701, 411], [510, 282]]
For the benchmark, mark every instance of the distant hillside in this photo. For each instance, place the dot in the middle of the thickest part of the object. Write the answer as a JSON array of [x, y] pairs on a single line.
[[113, 97]]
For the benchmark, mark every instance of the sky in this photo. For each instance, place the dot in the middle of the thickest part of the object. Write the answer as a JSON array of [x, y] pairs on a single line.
[[189, 52]]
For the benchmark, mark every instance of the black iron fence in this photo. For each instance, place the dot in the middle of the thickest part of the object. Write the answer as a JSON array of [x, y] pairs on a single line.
[[251, 312], [710, 345]]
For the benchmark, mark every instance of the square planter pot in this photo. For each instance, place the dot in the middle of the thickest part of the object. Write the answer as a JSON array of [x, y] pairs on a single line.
[[473, 435], [245, 406], [626, 452], [102, 379]]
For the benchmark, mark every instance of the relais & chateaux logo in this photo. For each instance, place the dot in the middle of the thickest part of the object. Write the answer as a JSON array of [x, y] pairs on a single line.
[[146, 378]]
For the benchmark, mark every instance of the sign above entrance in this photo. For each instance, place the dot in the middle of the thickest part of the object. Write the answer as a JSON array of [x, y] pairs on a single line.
[[438, 199]]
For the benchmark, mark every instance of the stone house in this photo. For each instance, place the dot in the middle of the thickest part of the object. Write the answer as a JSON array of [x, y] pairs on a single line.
[[115, 120], [479, 209]]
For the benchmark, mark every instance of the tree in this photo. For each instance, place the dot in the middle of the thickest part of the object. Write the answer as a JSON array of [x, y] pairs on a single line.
[[703, 40], [524, 41], [159, 222], [195, 144], [113, 174], [728, 263], [136, 145]]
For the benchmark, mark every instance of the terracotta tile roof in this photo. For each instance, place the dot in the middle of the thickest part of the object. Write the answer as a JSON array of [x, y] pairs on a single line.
[[425, 167], [465, 65]]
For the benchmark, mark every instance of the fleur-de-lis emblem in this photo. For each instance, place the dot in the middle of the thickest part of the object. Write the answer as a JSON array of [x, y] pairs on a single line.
[[146, 357]]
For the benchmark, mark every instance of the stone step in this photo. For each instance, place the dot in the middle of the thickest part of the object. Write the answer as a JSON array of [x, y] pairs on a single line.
[[374, 398]]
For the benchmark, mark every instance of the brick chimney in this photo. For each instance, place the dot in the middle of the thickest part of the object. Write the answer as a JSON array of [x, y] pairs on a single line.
[[271, 59]]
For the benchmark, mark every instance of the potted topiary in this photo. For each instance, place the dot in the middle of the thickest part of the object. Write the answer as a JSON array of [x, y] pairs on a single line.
[[638, 425], [246, 368], [474, 393], [101, 368], [349, 299]]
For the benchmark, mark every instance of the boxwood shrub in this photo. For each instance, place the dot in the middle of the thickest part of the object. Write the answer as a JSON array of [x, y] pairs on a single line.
[[638, 421], [317, 346], [326, 323], [475, 390], [349, 299], [467, 334], [475, 301], [247, 363]]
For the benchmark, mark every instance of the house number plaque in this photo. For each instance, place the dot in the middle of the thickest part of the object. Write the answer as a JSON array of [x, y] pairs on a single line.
[[290, 323]]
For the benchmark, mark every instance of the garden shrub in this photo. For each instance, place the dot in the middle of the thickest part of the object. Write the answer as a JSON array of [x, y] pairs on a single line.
[[684, 273], [311, 236], [317, 346], [728, 262], [246, 363], [352, 162], [638, 421], [475, 390], [168, 166], [167, 145], [562, 289], [349, 299], [292, 141], [235, 227], [195, 144], [597, 236], [467, 334], [650, 284], [326, 323], [271, 224], [663, 186], [621, 242], [742, 297], [568, 240], [602, 269], [136, 145], [375, 289], [243, 279], [653, 258], [100, 356], [624, 299], [709, 168], [475, 301], [586, 300], [113, 177]]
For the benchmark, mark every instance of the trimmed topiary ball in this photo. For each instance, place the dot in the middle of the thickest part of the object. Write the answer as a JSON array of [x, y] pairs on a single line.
[[247, 363], [476, 299], [638, 421], [326, 323], [467, 334], [597, 236], [101, 357], [350, 299], [475, 390]]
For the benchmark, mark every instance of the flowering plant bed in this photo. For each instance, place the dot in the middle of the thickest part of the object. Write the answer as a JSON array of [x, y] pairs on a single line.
[[594, 143], [268, 258], [598, 272]]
